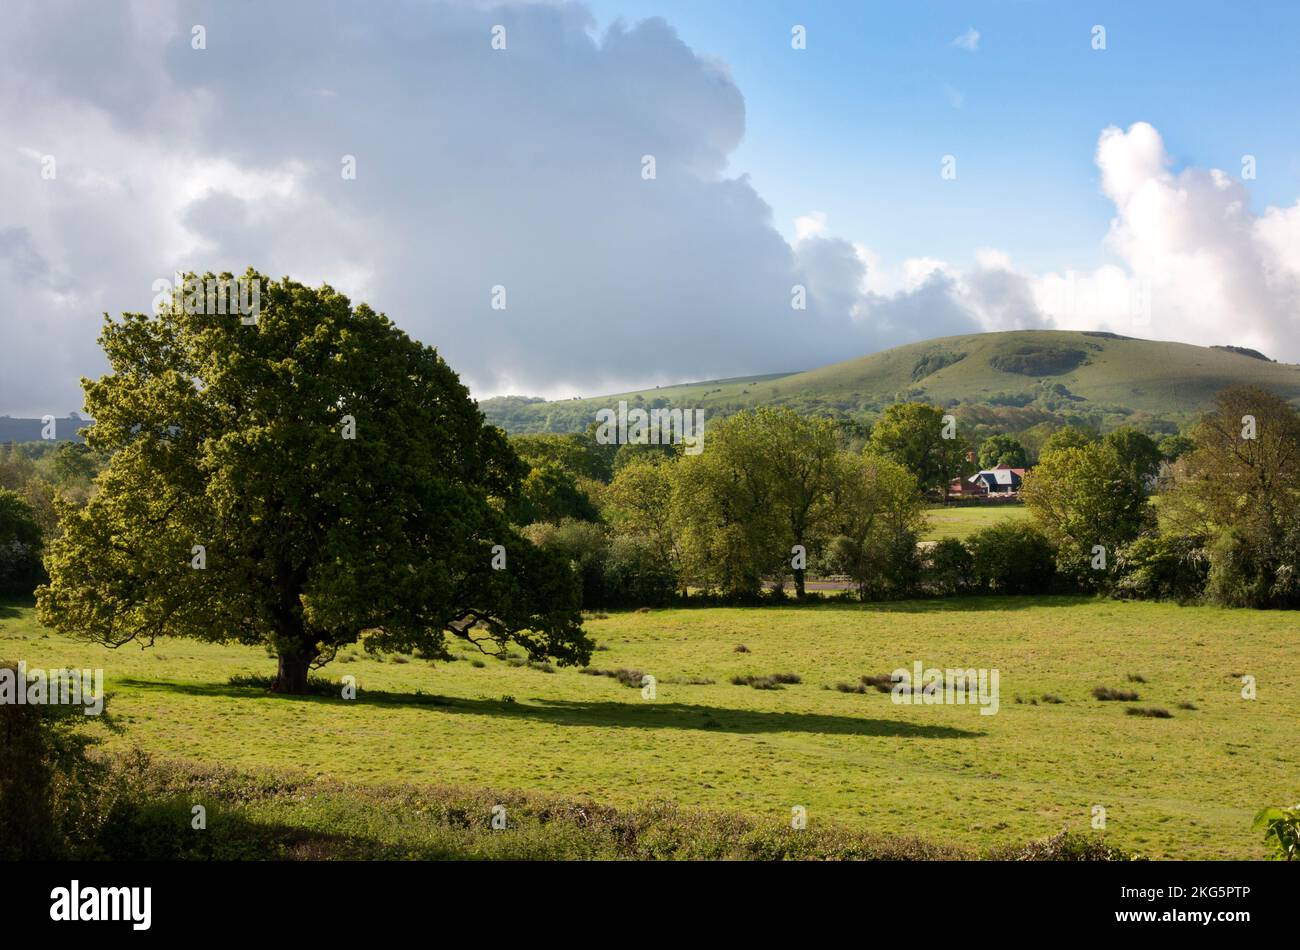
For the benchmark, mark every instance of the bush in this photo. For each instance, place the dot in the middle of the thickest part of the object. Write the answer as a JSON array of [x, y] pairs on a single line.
[[950, 569], [1162, 567], [1066, 846], [53, 796], [1012, 558]]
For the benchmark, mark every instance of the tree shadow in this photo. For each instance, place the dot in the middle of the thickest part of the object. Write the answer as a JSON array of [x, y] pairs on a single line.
[[11, 608], [635, 714], [942, 605]]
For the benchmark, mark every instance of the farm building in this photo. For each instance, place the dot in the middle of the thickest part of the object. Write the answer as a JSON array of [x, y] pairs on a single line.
[[999, 480]]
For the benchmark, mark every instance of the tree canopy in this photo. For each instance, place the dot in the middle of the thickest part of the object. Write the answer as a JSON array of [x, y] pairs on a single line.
[[304, 480]]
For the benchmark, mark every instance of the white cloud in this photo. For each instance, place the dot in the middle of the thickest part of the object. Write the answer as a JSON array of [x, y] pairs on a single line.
[[475, 167], [969, 41]]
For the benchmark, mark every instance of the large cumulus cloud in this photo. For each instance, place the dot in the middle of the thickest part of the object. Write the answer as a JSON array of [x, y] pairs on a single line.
[[475, 168]]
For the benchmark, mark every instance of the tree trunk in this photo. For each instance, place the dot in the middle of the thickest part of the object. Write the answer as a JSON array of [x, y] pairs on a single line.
[[291, 677], [798, 584]]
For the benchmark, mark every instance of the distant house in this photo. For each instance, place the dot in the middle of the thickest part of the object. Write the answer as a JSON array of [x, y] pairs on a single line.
[[999, 480]]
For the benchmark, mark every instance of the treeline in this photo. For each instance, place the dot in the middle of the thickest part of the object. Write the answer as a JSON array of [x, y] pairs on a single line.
[[36, 478], [776, 498]]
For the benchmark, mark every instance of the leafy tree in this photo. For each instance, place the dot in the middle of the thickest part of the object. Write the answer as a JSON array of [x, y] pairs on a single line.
[[1083, 497], [1241, 489], [20, 546], [579, 455], [1174, 447], [638, 504], [551, 493], [1137, 454], [1002, 450], [1066, 437], [750, 496], [298, 481], [876, 512], [912, 434]]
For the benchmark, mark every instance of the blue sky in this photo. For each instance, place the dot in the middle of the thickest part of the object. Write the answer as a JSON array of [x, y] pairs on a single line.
[[855, 125]]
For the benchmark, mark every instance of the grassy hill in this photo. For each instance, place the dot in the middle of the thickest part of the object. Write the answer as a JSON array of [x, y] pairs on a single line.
[[1009, 381]]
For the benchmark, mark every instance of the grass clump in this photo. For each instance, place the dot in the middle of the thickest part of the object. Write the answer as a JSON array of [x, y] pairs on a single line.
[[1107, 694]]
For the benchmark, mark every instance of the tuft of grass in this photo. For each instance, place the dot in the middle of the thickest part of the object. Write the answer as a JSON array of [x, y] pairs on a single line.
[[1053, 699], [1151, 712], [851, 687], [625, 676], [1107, 694], [1186, 705], [771, 681], [741, 648], [1136, 678]]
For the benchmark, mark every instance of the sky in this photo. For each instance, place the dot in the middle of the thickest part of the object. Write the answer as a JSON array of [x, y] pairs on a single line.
[[653, 183]]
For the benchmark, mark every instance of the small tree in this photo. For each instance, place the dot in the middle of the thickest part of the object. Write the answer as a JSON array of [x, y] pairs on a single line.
[[296, 481]]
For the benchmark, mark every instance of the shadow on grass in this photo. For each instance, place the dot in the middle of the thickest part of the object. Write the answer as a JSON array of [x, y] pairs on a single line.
[[633, 714], [10, 607], [956, 605]]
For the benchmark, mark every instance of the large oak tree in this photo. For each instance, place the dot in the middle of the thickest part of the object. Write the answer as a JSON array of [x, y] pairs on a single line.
[[302, 480]]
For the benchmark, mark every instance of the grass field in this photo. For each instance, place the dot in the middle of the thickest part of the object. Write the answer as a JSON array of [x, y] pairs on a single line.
[[1186, 786], [961, 521]]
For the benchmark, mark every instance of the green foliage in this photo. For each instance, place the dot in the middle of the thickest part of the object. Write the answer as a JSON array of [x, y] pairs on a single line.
[[1281, 827], [1084, 497], [1002, 450], [911, 434], [1174, 447], [758, 489], [53, 796], [876, 514], [551, 493], [1012, 558], [1067, 437], [1136, 453], [20, 546], [950, 568], [234, 437], [1244, 495], [1037, 359], [1163, 567]]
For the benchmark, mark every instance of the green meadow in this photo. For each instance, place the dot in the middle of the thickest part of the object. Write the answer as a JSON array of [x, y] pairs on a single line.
[[961, 521], [1185, 786]]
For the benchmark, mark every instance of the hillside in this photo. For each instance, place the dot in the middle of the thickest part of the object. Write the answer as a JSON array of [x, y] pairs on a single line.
[[1010, 381]]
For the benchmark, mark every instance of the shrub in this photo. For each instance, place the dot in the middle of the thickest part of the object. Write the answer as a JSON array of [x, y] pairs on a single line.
[[1012, 558], [53, 796], [1065, 846], [1151, 712], [950, 568], [1162, 567]]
